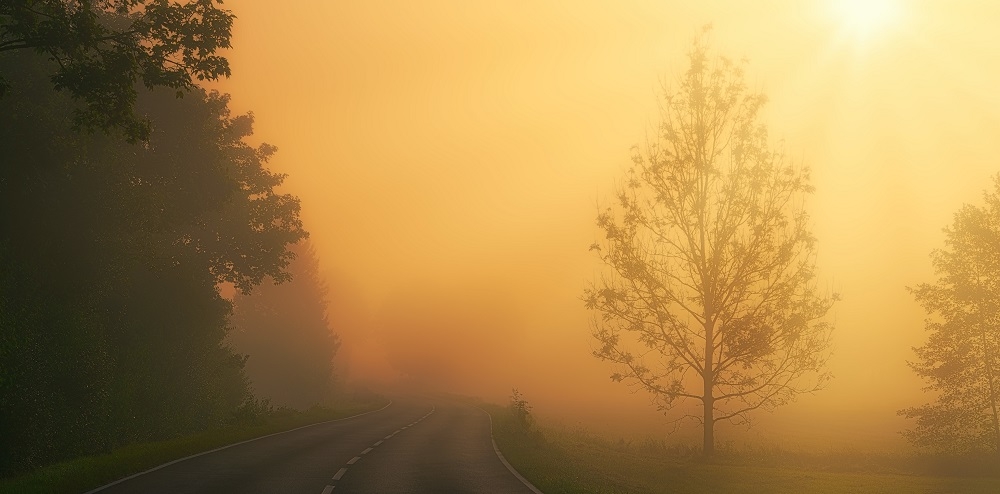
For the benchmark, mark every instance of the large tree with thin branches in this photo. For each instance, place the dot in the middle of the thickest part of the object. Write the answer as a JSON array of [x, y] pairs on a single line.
[[961, 360], [711, 294]]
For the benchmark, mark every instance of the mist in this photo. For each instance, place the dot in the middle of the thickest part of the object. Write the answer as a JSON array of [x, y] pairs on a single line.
[[450, 163], [451, 159]]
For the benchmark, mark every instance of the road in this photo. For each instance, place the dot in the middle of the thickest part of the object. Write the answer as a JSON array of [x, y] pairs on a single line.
[[411, 446]]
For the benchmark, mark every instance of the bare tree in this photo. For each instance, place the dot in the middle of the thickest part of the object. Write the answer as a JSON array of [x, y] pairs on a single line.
[[711, 294], [961, 360]]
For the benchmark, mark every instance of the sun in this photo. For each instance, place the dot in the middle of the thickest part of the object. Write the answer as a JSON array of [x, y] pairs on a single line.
[[866, 18]]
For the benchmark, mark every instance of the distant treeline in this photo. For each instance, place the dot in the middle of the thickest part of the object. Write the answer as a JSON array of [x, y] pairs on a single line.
[[286, 334], [112, 326]]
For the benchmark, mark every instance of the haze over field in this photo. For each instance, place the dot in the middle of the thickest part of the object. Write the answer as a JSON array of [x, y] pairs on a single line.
[[451, 156]]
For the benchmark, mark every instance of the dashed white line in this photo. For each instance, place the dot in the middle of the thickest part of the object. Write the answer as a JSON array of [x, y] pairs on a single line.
[[340, 473], [167, 464]]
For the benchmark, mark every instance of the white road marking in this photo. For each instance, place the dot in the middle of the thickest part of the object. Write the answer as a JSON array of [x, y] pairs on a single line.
[[503, 460], [340, 473], [167, 464]]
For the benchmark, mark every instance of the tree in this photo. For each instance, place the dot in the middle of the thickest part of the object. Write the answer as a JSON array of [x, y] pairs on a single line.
[[520, 410], [284, 331], [711, 294], [104, 47], [961, 359], [112, 328]]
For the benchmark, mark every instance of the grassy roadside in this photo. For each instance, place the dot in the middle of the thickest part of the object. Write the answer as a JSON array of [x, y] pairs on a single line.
[[89, 472], [560, 461]]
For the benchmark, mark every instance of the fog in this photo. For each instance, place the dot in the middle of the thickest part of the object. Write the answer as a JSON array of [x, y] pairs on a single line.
[[451, 157]]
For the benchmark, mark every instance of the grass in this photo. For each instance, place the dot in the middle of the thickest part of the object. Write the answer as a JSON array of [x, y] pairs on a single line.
[[89, 472], [567, 461]]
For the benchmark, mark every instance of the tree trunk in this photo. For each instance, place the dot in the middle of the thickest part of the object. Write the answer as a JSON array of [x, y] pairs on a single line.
[[708, 444], [988, 356], [993, 402], [708, 399]]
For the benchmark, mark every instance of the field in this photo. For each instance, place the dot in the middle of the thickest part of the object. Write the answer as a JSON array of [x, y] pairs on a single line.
[[573, 461]]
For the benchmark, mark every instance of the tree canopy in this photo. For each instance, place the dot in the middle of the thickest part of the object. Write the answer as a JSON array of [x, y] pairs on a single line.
[[961, 360], [103, 48], [112, 326], [711, 292]]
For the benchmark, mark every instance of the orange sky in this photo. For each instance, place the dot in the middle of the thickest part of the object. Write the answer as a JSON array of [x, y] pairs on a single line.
[[450, 156]]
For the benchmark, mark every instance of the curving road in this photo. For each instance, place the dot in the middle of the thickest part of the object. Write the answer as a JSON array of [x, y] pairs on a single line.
[[410, 446]]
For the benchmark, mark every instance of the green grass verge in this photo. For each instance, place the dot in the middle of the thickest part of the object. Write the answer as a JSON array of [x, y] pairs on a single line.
[[89, 472], [561, 461]]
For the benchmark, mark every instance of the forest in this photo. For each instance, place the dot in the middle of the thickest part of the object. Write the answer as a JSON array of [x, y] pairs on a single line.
[[125, 212]]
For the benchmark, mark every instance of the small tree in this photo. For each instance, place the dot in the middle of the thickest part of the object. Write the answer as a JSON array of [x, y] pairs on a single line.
[[711, 294], [961, 360], [520, 410]]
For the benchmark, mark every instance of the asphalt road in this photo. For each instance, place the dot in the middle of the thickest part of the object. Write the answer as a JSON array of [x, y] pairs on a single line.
[[411, 446]]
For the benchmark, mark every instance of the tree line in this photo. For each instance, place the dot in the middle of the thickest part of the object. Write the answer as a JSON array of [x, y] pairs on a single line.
[[129, 196], [710, 293]]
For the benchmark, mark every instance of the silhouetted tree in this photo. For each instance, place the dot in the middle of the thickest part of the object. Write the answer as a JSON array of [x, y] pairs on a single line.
[[284, 331], [111, 324], [103, 47], [711, 295], [961, 359]]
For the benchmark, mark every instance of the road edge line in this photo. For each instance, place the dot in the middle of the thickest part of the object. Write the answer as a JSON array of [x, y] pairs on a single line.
[[503, 460], [167, 464]]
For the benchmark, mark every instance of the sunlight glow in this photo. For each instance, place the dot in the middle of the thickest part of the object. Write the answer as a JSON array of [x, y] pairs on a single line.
[[865, 18]]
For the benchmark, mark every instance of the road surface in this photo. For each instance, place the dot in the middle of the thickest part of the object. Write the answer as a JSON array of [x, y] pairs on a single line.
[[410, 446]]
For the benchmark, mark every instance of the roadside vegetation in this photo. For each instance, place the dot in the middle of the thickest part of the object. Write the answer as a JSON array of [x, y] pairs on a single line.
[[137, 208], [567, 460], [89, 472]]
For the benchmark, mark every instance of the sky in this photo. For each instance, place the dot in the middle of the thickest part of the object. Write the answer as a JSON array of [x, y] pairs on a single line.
[[451, 157]]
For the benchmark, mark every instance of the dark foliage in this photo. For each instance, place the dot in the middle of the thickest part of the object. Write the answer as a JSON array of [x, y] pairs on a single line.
[[102, 48], [111, 323]]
